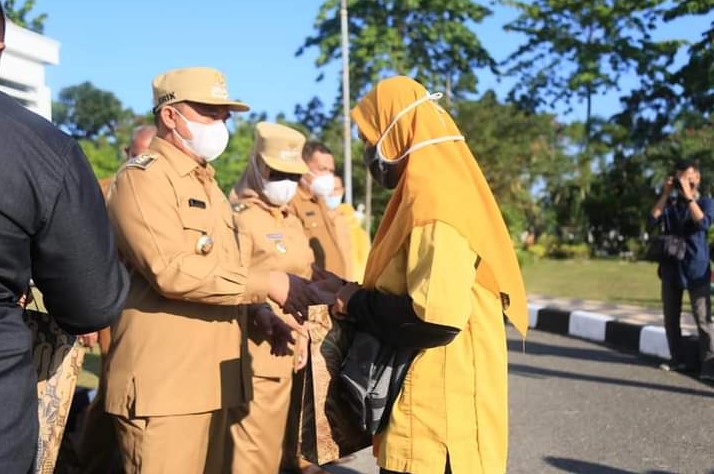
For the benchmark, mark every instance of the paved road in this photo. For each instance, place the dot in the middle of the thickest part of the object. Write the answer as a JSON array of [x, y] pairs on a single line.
[[581, 408]]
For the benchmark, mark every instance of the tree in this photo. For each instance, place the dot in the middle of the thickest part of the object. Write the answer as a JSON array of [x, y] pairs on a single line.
[[86, 111], [661, 101], [233, 162], [104, 157], [432, 41], [515, 150], [578, 49], [18, 15]]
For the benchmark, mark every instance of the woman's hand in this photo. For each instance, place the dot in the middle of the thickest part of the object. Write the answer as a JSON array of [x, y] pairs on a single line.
[[328, 281], [342, 299], [301, 348]]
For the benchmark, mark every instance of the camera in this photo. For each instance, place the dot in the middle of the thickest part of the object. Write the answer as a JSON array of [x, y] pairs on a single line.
[[677, 183]]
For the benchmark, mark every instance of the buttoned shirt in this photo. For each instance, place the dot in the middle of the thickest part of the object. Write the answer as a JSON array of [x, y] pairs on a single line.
[[177, 346], [270, 239], [320, 231], [694, 270]]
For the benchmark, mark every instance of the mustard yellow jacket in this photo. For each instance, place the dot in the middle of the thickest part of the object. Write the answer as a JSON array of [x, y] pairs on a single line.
[[454, 397]]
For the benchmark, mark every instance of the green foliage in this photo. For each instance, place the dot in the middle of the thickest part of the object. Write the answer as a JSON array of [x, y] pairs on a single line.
[[671, 92], [515, 149], [576, 251], [576, 49], [614, 281], [104, 157], [537, 250], [635, 247], [695, 77], [432, 41], [525, 257], [88, 112], [19, 15]]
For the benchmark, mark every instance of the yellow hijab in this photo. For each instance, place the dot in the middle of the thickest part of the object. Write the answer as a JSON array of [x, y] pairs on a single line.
[[441, 182]]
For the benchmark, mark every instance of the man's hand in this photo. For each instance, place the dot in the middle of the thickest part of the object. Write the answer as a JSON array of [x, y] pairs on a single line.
[[294, 294], [685, 187], [277, 333], [668, 185], [290, 292]]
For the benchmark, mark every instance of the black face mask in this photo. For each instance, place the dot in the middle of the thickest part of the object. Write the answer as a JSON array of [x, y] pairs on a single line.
[[386, 173]]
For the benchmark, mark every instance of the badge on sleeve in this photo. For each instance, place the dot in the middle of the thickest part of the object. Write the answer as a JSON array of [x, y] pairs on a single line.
[[204, 244], [142, 161]]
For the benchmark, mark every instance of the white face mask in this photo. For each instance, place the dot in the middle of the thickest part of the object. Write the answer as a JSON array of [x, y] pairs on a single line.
[[333, 201], [322, 186], [385, 169], [209, 139], [279, 193]]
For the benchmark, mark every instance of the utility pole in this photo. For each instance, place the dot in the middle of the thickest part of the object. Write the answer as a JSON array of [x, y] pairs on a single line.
[[346, 101]]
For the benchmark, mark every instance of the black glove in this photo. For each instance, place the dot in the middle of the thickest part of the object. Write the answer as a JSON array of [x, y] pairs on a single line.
[[299, 298], [277, 333]]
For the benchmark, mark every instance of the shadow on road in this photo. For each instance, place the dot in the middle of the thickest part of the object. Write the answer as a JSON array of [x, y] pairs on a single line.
[[540, 349], [528, 371], [584, 467]]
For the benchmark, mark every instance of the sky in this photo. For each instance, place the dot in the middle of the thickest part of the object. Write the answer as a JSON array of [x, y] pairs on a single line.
[[121, 45]]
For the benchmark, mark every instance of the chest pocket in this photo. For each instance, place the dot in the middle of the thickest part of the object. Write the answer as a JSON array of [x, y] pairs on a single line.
[[310, 220], [196, 219]]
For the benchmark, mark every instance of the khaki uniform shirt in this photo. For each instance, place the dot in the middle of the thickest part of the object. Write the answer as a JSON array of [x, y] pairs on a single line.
[[320, 231], [176, 348], [271, 239]]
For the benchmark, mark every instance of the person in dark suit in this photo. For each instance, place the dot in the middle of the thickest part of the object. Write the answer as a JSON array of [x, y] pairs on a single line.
[[53, 229]]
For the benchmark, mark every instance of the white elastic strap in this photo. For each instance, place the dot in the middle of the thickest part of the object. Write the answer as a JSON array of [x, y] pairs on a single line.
[[435, 96]]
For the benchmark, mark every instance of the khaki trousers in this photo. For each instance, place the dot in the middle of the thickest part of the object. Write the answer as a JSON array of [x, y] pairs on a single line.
[[258, 435], [188, 444]]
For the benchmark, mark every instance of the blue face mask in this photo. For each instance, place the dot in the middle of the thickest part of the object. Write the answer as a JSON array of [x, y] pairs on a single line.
[[333, 201]]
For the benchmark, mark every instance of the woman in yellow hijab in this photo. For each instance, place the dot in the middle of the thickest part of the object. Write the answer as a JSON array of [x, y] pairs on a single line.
[[441, 274]]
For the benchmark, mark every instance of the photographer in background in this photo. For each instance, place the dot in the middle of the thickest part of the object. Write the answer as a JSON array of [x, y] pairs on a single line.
[[685, 213]]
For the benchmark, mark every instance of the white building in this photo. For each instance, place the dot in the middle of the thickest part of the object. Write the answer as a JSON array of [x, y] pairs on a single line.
[[22, 72]]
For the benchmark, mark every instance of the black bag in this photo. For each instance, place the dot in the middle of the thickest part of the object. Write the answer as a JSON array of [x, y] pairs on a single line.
[[372, 376], [669, 245], [666, 247]]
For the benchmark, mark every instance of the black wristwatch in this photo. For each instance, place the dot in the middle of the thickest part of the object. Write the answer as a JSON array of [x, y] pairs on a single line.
[[689, 201]]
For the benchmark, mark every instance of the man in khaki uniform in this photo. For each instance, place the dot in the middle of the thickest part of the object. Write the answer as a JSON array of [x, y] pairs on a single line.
[[271, 238], [97, 448], [176, 371], [309, 206]]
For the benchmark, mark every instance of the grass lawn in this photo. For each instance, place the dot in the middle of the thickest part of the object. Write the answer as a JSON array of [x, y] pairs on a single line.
[[615, 281], [89, 376]]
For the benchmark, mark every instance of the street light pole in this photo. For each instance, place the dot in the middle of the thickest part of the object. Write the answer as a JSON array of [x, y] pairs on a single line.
[[346, 101]]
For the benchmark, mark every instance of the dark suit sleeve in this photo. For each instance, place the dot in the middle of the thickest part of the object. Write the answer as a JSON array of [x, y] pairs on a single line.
[[74, 257]]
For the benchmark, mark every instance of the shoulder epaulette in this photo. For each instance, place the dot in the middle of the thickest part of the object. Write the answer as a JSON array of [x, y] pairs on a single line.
[[142, 161]]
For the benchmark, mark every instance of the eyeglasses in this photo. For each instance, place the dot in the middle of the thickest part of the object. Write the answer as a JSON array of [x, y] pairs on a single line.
[[215, 112], [275, 175]]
